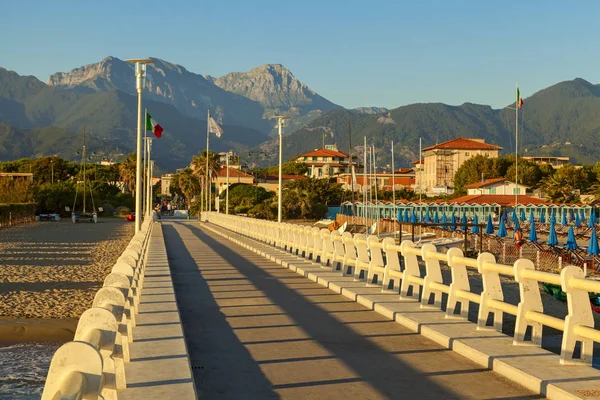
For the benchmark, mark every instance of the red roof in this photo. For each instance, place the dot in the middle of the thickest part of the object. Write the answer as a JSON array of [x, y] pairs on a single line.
[[323, 153], [484, 183], [233, 173], [421, 161], [499, 199], [464, 144]]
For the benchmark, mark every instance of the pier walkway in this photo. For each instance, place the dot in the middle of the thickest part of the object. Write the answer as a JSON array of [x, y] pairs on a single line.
[[257, 330]]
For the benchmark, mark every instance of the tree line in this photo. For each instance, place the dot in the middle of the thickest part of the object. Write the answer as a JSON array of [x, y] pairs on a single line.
[[563, 185]]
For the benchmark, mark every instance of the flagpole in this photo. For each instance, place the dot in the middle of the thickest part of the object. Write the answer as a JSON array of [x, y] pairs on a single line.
[[323, 140], [517, 150], [365, 181], [376, 203], [149, 177], [393, 179], [227, 193], [207, 182]]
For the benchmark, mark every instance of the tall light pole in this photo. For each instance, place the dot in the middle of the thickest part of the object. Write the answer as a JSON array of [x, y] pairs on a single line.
[[280, 119], [140, 82], [227, 193]]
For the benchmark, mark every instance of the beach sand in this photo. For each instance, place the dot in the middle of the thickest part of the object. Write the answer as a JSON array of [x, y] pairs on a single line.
[[50, 273]]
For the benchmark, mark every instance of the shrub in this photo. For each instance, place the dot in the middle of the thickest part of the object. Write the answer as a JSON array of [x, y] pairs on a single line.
[[107, 209]]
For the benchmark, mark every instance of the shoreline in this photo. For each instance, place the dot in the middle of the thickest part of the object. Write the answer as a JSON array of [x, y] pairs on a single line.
[[22, 330]]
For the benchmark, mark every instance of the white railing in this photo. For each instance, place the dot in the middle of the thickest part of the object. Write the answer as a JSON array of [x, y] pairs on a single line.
[[93, 364], [379, 263]]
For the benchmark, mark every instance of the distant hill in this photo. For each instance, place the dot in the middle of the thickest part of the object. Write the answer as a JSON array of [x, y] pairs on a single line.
[[561, 119]]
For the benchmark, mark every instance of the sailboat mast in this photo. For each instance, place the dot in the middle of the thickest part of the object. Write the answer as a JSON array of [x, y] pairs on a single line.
[[517, 151], [393, 179], [351, 164], [376, 185]]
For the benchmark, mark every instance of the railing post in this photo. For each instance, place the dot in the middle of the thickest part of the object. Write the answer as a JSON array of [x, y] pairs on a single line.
[[433, 274], [492, 290], [460, 281], [392, 263], [531, 300], [411, 267], [580, 314]]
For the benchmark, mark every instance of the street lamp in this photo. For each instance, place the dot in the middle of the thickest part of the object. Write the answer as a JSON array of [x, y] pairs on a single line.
[[280, 119], [140, 82], [148, 177]]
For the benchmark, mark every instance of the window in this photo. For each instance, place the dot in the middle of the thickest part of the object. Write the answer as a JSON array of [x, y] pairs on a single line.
[[487, 154], [516, 190], [314, 158], [492, 190], [467, 154]]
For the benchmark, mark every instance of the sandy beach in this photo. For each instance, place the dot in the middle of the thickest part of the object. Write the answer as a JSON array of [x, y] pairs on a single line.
[[50, 272]]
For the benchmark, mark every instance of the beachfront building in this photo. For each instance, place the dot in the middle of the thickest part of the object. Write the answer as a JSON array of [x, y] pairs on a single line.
[[496, 186], [13, 176], [325, 162], [165, 184], [440, 163], [403, 178], [554, 161], [234, 159], [235, 176]]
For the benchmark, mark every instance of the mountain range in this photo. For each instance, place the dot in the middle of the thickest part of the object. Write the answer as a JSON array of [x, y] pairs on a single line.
[[561, 120], [38, 118]]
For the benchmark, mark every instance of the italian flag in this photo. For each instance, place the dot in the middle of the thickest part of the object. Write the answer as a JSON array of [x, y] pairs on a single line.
[[151, 125], [519, 99]]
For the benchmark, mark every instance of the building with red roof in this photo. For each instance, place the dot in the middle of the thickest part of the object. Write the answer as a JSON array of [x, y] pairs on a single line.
[[326, 162], [439, 164]]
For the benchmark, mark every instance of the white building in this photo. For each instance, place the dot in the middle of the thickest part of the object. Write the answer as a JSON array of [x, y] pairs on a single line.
[[495, 186]]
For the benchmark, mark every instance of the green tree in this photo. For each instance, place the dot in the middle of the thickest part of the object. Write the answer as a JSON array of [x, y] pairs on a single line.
[[530, 173], [287, 168], [472, 171], [127, 172], [563, 185]]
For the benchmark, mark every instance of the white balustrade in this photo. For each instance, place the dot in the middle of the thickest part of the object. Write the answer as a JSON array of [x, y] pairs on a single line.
[[93, 365], [397, 268]]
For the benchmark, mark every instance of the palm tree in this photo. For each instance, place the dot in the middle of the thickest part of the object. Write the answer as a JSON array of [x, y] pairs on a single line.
[[188, 184], [127, 171], [198, 166]]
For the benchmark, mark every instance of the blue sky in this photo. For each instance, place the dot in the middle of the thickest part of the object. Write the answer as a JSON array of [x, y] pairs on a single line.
[[355, 53]]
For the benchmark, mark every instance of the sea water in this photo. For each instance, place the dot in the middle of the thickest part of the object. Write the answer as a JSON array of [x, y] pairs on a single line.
[[23, 369]]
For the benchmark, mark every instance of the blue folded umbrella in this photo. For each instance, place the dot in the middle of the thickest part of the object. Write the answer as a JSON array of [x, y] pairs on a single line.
[[489, 228], [406, 217], [571, 215], [592, 220], [522, 214], [502, 229], [577, 220], [552, 239], [505, 215], [444, 220], [427, 217], [475, 229], [514, 216], [553, 218], [582, 214], [453, 222], [571, 242], [413, 217], [543, 217], [532, 233], [563, 221], [436, 218], [464, 221], [531, 217], [400, 219], [592, 248]]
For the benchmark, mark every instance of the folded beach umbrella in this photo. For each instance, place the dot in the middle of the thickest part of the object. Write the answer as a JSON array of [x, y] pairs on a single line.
[[453, 222], [413, 217], [592, 220], [522, 214], [406, 217], [444, 220], [464, 221], [592, 248], [577, 220], [571, 242], [552, 239], [436, 218], [489, 228], [571, 215], [543, 217], [502, 229], [427, 217], [517, 226], [475, 229], [563, 221], [531, 217], [532, 233]]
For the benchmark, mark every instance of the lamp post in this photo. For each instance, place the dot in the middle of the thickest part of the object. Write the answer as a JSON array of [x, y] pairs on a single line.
[[140, 82], [280, 119]]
